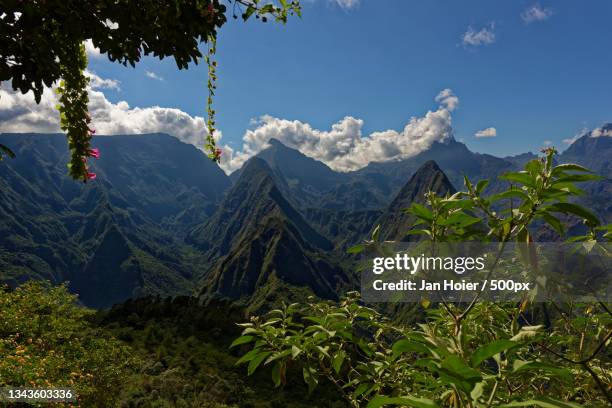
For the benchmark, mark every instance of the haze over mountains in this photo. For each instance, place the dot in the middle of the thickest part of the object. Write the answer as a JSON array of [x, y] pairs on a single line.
[[162, 219]]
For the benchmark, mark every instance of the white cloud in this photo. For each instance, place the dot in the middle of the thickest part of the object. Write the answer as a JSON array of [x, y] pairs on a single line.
[[153, 75], [344, 147], [92, 52], [488, 132], [597, 132], [536, 13], [601, 132], [20, 113], [96, 82], [449, 100], [577, 136], [484, 36], [346, 4]]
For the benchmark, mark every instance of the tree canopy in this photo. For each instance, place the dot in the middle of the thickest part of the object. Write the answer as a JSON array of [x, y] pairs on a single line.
[[41, 43]]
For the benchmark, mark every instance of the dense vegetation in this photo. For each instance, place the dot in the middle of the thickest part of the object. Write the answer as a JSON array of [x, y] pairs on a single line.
[[478, 354], [150, 352], [46, 341]]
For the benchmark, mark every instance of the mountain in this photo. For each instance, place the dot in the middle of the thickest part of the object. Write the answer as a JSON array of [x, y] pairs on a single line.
[[312, 185], [112, 238], [258, 243], [309, 183], [394, 222], [594, 151], [162, 219], [453, 158], [301, 172]]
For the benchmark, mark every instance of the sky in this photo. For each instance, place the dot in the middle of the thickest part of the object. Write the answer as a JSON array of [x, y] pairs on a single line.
[[356, 81]]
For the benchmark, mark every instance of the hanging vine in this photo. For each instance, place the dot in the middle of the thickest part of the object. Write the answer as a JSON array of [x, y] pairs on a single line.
[[211, 144], [74, 116]]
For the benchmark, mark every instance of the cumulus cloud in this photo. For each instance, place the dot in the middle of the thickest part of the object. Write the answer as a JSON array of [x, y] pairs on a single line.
[[20, 113], [96, 82], [447, 99], [488, 132], [475, 38], [92, 51], [153, 75], [535, 13], [344, 147], [601, 132]]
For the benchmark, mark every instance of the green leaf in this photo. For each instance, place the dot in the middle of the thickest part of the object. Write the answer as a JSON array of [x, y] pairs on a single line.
[[310, 377], [257, 360], [356, 249], [249, 12], [242, 340], [460, 220], [478, 390], [481, 185], [491, 349], [520, 365], [534, 167], [362, 388], [338, 360], [569, 208], [248, 356], [578, 178], [513, 193], [553, 222], [376, 233], [419, 232], [409, 401], [454, 371], [522, 178], [543, 402], [408, 346], [295, 351], [421, 211], [276, 374], [277, 355], [569, 167]]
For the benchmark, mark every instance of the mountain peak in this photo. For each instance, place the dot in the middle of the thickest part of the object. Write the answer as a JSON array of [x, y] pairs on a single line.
[[429, 167], [277, 143], [394, 223]]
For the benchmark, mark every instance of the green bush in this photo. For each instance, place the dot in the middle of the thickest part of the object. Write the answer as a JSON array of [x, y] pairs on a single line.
[[47, 341]]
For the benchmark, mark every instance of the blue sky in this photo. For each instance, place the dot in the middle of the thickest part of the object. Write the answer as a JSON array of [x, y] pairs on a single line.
[[533, 71]]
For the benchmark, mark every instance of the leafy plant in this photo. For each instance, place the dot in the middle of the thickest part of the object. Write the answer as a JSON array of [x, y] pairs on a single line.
[[478, 354], [46, 341]]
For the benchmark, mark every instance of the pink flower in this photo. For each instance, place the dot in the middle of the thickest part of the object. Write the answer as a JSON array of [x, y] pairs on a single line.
[[91, 176], [95, 153], [218, 153], [92, 131]]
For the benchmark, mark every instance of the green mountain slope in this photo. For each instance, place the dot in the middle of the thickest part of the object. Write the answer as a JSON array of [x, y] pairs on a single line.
[[260, 244], [111, 237], [394, 222]]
